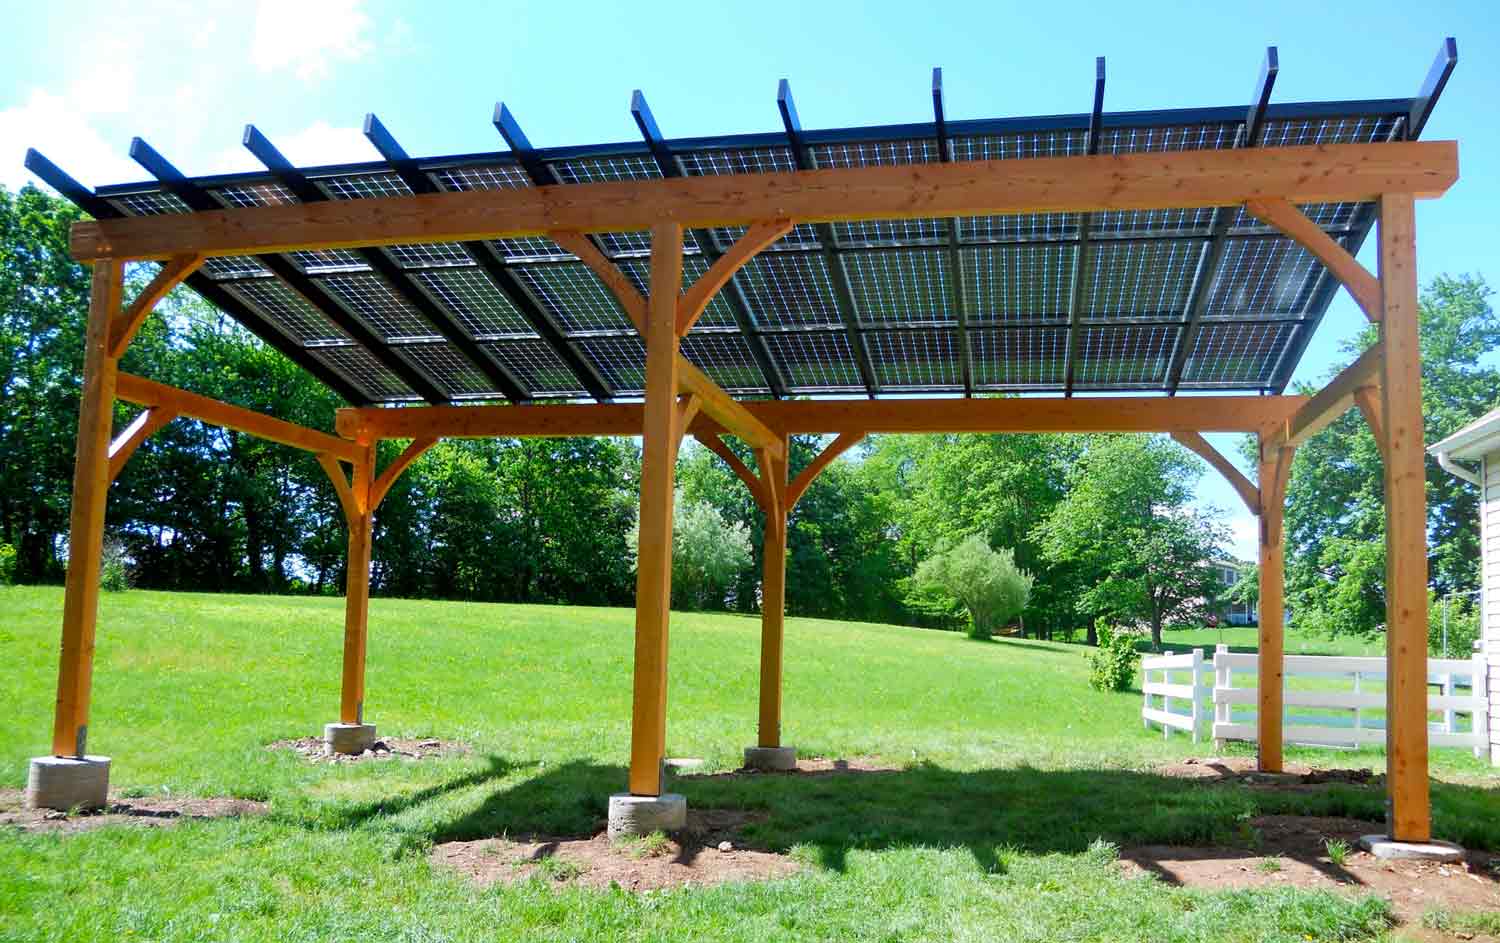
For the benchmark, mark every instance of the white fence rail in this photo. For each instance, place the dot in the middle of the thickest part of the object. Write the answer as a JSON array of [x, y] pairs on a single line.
[[1188, 689]]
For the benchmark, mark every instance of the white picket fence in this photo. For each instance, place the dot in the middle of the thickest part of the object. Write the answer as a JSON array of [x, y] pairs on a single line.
[[1200, 689]]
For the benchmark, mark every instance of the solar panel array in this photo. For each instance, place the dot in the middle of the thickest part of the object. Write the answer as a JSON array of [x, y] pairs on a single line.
[[1111, 301]]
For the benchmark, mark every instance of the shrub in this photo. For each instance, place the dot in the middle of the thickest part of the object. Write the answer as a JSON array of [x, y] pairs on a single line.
[[114, 569], [1112, 665], [708, 554], [7, 564], [1463, 627], [985, 581]]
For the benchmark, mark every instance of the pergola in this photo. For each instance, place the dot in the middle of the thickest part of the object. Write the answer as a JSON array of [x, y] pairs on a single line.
[[850, 282]]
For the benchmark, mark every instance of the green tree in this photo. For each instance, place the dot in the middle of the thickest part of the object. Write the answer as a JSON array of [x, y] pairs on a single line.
[[1125, 516], [1335, 515], [985, 581], [708, 552]]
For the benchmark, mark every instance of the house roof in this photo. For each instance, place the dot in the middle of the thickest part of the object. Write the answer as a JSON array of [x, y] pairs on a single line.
[[1474, 441]]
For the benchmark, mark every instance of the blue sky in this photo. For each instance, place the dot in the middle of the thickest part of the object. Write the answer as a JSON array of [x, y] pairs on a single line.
[[81, 78]]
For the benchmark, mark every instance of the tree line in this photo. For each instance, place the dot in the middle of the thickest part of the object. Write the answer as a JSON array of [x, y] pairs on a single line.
[[1101, 526]]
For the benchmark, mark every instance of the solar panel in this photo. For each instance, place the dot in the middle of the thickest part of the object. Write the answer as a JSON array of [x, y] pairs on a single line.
[[906, 286]]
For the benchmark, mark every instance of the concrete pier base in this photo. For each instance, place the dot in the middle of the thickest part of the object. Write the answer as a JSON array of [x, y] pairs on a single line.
[[633, 816], [348, 738], [68, 782], [1381, 846], [771, 759]]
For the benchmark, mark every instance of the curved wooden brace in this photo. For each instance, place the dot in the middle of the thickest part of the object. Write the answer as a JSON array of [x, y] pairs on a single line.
[[619, 285], [1284, 216], [143, 427], [347, 498], [687, 410], [1369, 401], [1247, 491], [124, 329], [395, 469], [756, 239], [837, 447], [756, 485]]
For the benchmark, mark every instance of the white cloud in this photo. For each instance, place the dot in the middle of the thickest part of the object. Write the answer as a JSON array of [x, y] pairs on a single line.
[[318, 143], [308, 37], [56, 128], [1244, 536]]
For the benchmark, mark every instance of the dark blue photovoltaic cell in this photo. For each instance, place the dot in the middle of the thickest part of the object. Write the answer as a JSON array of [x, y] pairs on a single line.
[[977, 303]]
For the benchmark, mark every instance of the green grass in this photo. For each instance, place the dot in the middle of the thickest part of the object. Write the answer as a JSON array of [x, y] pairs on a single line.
[[1014, 782]]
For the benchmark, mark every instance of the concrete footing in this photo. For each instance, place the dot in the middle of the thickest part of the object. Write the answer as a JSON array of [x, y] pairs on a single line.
[[771, 759], [632, 816], [348, 738], [1381, 846], [68, 782]]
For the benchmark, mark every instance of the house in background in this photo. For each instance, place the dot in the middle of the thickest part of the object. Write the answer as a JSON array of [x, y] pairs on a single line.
[[1473, 454], [1229, 569]]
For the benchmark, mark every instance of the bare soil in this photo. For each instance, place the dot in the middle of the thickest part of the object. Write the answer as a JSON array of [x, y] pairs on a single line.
[[1241, 769], [388, 748], [149, 812], [707, 852]]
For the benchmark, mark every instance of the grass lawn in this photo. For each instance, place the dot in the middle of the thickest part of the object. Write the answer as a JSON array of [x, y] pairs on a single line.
[[1016, 778]]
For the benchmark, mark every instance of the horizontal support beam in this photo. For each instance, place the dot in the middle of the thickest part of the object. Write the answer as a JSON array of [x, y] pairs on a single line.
[[1316, 174], [798, 417], [1331, 402], [149, 393]]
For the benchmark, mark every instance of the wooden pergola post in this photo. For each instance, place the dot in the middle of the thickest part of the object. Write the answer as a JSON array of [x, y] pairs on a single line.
[[1406, 525], [357, 595], [70, 777], [1274, 470], [773, 598], [660, 437]]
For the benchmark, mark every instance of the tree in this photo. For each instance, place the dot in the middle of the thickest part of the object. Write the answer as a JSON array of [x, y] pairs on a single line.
[[1335, 515], [985, 581], [1126, 517], [708, 552]]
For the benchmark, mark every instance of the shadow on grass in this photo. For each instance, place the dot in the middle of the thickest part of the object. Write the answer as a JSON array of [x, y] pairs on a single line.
[[987, 811]]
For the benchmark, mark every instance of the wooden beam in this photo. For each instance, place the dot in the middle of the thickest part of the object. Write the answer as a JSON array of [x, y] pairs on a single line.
[[653, 593], [758, 238], [1274, 472], [1315, 174], [687, 409], [75, 674], [1281, 214], [142, 427], [1405, 526], [136, 389], [1368, 400], [725, 409], [394, 470], [840, 445], [1333, 400], [1247, 491], [127, 325], [828, 417]]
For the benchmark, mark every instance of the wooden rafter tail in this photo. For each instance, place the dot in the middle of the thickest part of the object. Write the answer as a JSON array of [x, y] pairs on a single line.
[[840, 445], [1077, 184], [396, 468], [1247, 491], [176, 269], [1282, 215], [148, 423], [1331, 402], [724, 409], [145, 392], [695, 300]]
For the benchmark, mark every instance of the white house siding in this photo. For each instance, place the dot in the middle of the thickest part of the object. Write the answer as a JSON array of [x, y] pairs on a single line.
[[1489, 535]]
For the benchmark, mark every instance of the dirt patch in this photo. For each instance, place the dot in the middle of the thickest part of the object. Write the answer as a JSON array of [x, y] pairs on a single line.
[[708, 851], [812, 766], [1241, 769], [389, 748], [1293, 851], [151, 812]]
